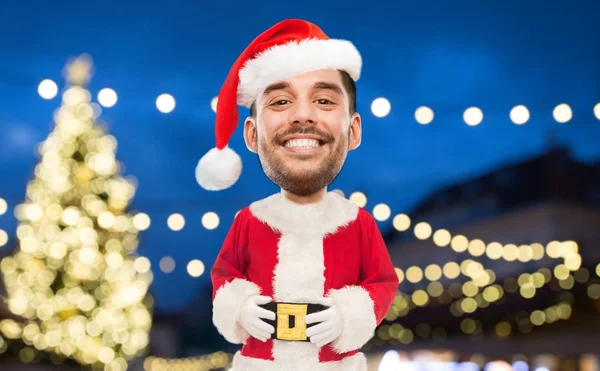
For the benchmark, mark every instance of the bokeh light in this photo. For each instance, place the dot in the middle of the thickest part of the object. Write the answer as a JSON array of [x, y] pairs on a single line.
[[381, 107]]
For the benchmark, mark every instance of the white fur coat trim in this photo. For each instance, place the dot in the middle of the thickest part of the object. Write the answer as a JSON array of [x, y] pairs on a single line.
[[358, 317], [294, 58], [357, 362], [317, 219], [227, 305]]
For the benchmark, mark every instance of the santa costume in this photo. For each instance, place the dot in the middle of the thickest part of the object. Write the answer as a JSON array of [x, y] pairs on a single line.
[[296, 254]]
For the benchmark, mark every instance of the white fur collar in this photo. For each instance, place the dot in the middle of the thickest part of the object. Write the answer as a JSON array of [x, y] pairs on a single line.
[[324, 217]]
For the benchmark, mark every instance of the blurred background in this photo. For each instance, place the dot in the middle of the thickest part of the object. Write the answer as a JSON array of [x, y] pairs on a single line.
[[480, 161]]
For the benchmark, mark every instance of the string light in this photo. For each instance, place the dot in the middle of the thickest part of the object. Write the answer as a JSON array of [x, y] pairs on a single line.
[[71, 279], [107, 97], [401, 222], [381, 107], [217, 360], [3, 206], [195, 268], [213, 103], [519, 115], [476, 247], [210, 220], [471, 268], [474, 294], [381, 212], [442, 237], [459, 243], [433, 272], [473, 116], [424, 115], [423, 230], [562, 113], [165, 103], [47, 89], [523, 321], [3, 237], [176, 222], [593, 291], [167, 264]]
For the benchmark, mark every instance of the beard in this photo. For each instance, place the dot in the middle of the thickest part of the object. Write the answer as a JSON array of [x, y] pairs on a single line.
[[305, 176]]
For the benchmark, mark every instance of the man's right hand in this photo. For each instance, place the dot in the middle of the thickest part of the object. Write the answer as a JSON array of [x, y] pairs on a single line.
[[251, 314]]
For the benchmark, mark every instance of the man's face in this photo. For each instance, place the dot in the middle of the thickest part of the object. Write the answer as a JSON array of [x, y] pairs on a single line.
[[303, 131]]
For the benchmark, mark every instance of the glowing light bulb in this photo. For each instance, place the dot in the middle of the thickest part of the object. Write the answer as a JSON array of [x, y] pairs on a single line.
[[47, 89], [562, 113], [519, 115], [381, 107], [165, 103], [424, 115], [107, 97], [473, 116]]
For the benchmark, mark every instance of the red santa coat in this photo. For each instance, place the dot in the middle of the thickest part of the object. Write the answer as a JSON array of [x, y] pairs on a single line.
[[300, 253]]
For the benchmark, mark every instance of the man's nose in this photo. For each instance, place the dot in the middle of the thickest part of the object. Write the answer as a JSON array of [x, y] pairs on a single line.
[[304, 113]]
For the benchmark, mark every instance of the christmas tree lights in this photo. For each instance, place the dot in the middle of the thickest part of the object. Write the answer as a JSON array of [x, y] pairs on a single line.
[[73, 279]]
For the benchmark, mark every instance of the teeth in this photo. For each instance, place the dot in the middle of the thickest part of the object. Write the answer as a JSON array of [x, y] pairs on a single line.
[[302, 143]]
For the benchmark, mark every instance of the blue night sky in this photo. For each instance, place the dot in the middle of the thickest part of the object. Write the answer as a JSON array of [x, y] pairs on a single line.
[[445, 55]]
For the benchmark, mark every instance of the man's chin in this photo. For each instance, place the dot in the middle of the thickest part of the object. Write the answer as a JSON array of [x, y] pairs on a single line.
[[301, 177], [302, 186]]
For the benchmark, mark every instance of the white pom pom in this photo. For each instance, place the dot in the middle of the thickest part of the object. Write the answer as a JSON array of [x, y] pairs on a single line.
[[218, 169]]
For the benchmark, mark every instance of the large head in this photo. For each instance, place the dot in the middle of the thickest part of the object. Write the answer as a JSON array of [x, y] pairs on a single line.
[[302, 129], [300, 88]]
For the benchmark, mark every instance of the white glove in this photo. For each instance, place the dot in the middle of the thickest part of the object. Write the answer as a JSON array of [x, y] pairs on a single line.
[[251, 314], [330, 327]]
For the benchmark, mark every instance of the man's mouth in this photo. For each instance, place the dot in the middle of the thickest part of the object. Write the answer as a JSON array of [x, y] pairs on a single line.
[[303, 143]]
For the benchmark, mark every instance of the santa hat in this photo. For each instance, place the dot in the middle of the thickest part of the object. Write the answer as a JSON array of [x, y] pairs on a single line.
[[289, 48]]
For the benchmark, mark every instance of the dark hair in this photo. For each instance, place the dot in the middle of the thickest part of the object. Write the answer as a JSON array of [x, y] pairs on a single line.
[[349, 87]]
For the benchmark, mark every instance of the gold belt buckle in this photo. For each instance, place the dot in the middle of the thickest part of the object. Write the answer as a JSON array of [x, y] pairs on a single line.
[[284, 312]]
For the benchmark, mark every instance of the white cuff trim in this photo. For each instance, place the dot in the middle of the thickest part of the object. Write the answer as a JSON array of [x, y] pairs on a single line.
[[358, 317], [227, 306]]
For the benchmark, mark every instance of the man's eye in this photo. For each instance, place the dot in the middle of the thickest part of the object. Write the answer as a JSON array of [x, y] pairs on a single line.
[[280, 102], [324, 101]]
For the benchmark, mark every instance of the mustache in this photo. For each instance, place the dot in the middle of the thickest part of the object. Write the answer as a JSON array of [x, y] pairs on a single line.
[[304, 130]]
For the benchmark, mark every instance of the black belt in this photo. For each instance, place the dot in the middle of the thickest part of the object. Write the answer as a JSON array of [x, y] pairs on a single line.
[[289, 319]]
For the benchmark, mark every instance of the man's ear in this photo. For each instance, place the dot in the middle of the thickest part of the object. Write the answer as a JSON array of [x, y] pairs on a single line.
[[355, 137], [250, 134]]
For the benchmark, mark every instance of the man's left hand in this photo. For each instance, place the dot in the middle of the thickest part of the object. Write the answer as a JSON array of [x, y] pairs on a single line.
[[330, 326]]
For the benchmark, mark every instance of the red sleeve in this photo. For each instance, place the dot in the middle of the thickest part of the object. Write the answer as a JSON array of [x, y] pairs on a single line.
[[364, 306], [231, 261], [231, 288]]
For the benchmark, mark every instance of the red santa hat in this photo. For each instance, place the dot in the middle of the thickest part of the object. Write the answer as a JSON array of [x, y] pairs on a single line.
[[289, 48]]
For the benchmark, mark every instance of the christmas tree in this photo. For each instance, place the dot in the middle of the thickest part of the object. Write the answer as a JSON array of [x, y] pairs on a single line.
[[74, 278]]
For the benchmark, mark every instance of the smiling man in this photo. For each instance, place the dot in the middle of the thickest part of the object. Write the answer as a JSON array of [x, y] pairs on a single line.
[[307, 126], [303, 277]]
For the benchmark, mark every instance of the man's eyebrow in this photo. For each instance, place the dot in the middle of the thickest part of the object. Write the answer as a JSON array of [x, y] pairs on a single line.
[[329, 86], [318, 85], [276, 86]]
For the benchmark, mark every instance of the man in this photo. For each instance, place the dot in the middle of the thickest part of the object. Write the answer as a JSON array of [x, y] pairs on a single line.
[[303, 277]]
